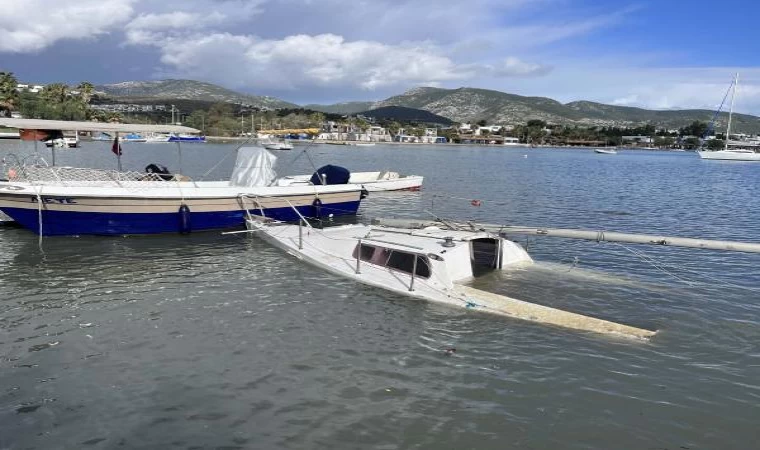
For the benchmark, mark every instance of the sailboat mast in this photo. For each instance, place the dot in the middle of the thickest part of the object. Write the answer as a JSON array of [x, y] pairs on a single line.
[[731, 111]]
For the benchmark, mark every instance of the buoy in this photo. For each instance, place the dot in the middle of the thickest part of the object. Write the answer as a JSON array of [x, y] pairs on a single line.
[[184, 219], [475, 203]]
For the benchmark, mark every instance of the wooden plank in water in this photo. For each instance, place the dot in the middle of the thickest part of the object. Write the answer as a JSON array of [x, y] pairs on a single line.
[[519, 309]]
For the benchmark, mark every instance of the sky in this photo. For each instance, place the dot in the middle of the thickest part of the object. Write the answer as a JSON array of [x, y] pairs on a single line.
[[661, 54]]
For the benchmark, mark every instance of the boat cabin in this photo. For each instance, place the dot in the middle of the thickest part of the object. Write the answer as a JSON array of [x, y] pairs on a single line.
[[449, 256]]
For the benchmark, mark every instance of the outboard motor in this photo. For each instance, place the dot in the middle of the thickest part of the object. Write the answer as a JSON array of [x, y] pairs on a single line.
[[160, 171]]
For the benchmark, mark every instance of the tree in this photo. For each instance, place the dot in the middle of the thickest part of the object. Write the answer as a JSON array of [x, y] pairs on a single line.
[[696, 128], [481, 122], [56, 93], [450, 134], [716, 144], [692, 143], [663, 141], [86, 90], [535, 123], [9, 97], [198, 119]]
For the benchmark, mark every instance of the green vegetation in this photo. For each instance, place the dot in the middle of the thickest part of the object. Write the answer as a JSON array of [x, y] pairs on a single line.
[[9, 97], [56, 101]]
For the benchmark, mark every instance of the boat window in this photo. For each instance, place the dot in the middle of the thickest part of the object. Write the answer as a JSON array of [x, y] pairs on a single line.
[[393, 259], [367, 252], [404, 262]]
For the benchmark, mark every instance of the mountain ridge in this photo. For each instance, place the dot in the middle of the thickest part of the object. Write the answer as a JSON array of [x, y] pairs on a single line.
[[464, 104], [188, 90]]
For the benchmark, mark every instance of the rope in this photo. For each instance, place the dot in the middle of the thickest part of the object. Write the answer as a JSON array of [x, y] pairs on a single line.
[[39, 219], [247, 141], [304, 151]]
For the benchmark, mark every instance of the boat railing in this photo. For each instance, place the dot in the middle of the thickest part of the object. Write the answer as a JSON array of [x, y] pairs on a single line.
[[76, 176], [417, 252]]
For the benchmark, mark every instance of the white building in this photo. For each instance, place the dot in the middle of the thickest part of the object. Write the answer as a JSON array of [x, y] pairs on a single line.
[[490, 129]]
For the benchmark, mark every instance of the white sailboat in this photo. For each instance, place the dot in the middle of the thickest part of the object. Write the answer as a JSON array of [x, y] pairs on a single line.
[[432, 264], [730, 154]]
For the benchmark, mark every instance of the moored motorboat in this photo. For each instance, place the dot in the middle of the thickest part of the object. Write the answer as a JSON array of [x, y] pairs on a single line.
[[68, 141], [380, 181], [79, 201], [184, 137], [605, 151], [271, 144], [431, 264]]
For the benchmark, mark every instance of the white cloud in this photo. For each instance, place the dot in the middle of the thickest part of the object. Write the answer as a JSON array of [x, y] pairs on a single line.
[[514, 67], [299, 61], [32, 25], [148, 28], [176, 19]]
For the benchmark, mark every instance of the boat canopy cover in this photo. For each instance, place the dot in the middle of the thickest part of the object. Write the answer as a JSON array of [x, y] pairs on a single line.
[[331, 174], [254, 167]]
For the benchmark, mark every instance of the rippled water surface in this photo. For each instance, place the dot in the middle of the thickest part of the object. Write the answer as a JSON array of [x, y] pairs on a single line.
[[211, 341]]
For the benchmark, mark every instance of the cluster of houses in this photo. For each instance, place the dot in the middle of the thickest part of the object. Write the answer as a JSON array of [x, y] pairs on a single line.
[[335, 131], [33, 88], [128, 108]]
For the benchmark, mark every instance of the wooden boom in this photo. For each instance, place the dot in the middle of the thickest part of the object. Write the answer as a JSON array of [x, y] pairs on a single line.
[[599, 236]]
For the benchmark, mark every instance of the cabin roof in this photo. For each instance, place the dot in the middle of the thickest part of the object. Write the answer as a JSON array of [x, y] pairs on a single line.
[[65, 125], [429, 240]]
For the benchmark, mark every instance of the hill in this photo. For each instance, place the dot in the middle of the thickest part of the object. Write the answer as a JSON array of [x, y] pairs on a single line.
[[460, 105], [471, 104], [341, 108], [186, 90], [402, 114]]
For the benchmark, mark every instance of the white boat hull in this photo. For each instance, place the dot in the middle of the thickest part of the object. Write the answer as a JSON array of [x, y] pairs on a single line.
[[151, 207], [371, 181], [730, 155], [336, 250]]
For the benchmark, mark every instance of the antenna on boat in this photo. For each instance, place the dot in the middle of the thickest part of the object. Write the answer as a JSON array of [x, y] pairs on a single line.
[[711, 125], [731, 111]]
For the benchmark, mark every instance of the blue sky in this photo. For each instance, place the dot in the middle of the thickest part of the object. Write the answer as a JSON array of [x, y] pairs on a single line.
[[657, 54]]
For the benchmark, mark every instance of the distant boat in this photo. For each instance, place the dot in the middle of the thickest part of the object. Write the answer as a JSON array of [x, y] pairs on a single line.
[[10, 135], [64, 142], [133, 137], [279, 146], [606, 151], [186, 138], [271, 144], [730, 154]]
